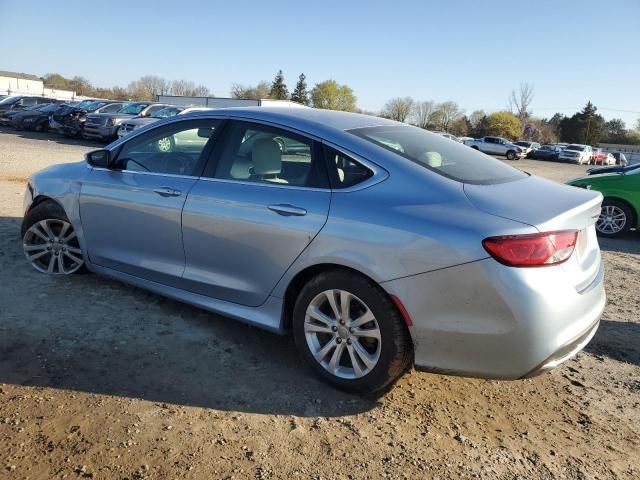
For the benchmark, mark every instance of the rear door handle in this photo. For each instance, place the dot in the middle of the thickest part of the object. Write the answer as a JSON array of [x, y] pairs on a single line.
[[287, 210], [167, 192]]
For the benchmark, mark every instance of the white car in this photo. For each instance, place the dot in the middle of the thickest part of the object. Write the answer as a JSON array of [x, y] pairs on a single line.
[[449, 136], [576, 153]]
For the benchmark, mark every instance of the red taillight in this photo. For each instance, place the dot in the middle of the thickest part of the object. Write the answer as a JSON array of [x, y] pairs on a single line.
[[532, 250]]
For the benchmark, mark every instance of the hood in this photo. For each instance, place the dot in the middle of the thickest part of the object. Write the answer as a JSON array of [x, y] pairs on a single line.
[[121, 116], [139, 121], [544, 204]]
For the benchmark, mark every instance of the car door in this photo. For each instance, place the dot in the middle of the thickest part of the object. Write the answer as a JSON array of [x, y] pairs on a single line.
[[262, 202], [491, 145], [131, 212]]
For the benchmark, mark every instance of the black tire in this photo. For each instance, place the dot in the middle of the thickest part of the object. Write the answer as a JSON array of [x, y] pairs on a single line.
[[511, 155], [475, 148], [630, 218], [43, 211], [396, 347]]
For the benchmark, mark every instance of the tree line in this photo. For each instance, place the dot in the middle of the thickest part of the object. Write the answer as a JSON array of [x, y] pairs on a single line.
[[515, 122], [145, 88]]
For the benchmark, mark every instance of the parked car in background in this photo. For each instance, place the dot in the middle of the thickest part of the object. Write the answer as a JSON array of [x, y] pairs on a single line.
[[597, 156], [274, 227], [576, 153], [36, 119], [17, 102], [528, 146], [129, 126], [545, 152], [620, 187], [609, 159], [497, 146], [105, 125], [620, 159], [7, 115], [70, 122], [449, 136], [464, 139]]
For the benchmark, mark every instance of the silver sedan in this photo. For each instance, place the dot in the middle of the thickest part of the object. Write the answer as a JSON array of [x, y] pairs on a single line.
[[379, 245]]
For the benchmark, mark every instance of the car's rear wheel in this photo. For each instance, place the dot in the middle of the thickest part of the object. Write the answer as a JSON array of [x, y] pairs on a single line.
[[511, 155], [350, 332], [616, 218], [49, 241]]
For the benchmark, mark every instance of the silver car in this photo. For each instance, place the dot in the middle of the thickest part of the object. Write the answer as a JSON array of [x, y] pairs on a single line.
[[380, 245]]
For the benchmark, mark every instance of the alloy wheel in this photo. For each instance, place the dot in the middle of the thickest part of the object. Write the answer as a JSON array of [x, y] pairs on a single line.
[[51, 246], [342, 334], [164, 144], [612, 220]]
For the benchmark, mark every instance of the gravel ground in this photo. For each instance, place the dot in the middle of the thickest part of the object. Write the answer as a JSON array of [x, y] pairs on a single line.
[[102, 380]]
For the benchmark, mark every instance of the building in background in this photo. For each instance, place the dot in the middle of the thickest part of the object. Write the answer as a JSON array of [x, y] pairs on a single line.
[[218, 102], [12, 83]]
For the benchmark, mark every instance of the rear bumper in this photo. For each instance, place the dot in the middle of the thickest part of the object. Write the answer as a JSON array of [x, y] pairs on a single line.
[[483, 319]]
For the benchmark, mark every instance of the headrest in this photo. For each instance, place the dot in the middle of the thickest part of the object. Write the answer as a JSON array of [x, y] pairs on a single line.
[[432, 159], [266, 157]]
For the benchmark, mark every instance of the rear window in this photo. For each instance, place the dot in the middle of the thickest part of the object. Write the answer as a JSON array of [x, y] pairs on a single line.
[[450, 159]]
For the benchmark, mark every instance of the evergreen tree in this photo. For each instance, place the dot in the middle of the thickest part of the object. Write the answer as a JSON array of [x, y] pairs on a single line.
[[584, 127], [300, 94], [279, 88]]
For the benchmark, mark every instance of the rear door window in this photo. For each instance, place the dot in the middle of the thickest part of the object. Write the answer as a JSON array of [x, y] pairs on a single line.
[[264, 154]]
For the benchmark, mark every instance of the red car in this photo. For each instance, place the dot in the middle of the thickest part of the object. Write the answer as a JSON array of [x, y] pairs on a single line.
[[597, 156]]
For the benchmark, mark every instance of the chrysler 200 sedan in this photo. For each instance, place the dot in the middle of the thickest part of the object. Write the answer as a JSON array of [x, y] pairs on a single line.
[[380, 245]]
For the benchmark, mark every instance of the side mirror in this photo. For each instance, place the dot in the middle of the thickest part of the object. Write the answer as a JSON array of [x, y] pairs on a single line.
[[99, 158]]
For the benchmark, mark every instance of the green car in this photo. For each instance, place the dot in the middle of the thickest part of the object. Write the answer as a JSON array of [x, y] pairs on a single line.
[[621, 189]]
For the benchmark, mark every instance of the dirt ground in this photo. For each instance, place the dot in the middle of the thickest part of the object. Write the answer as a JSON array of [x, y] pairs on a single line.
[[102, 380]]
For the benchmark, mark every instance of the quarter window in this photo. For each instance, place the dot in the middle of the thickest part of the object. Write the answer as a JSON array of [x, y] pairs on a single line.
[[263, 154], [175, 149], [344, 172]]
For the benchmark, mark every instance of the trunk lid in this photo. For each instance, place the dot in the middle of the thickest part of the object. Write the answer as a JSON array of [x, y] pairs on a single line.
[[549, 206]]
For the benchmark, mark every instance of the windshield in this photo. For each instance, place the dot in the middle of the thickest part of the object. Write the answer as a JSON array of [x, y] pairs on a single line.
[[9, 100], [577, 148], [450, 159], [84, 104], [50, 107], [166, 112], [133, 109]]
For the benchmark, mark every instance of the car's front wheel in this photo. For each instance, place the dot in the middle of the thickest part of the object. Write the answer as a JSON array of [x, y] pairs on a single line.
[[616, 218], [350, 332], [49, 241], [511, 155]]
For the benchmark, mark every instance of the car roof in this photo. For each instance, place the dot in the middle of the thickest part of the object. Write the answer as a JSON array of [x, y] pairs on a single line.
[[312, 120]]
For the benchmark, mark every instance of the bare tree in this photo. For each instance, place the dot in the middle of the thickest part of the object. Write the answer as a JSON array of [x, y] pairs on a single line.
[[398, 108], [476, 117], [520, 101], [423, 113], [261, 90], [445, 113]]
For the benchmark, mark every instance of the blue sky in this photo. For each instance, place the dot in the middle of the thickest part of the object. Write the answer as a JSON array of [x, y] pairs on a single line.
[[471, 52]]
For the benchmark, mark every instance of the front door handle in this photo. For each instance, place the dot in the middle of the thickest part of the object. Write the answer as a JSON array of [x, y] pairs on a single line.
[[287, 210], [167, 192]]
